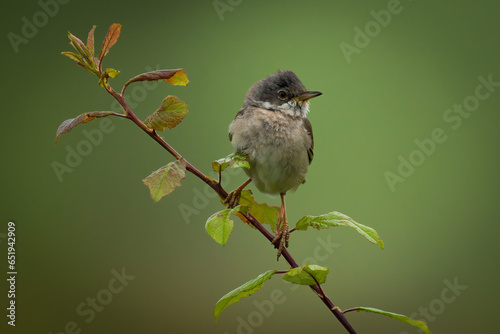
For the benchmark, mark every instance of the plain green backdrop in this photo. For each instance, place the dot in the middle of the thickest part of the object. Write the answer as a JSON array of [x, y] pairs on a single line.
[[439, 225]]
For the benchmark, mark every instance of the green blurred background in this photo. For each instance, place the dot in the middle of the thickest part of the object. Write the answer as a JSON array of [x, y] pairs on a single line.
[[439, 225]]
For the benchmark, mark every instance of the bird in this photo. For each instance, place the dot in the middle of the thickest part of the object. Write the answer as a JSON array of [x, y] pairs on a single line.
[[273, 132]]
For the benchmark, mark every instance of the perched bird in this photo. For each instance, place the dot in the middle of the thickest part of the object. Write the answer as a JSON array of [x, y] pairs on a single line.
[[272, 130]]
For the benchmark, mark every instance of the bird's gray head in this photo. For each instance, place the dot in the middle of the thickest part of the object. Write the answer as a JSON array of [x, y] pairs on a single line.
[[281, 91]]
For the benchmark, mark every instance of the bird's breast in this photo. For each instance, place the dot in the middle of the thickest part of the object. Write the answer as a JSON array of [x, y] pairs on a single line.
[[276, 145]]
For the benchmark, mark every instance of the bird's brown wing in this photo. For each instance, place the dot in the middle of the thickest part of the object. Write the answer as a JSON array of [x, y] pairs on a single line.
[[310, 150], [239, 113]]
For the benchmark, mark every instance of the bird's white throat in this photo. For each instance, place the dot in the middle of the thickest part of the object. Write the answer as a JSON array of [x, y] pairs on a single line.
[[293, 107]]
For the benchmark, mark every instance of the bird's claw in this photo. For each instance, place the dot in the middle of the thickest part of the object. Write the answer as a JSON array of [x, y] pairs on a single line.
[[281, 238], [233, 199]]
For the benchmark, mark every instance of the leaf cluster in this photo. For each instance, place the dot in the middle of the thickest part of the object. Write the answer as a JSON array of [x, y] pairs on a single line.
[[85, 55], [171, 112]]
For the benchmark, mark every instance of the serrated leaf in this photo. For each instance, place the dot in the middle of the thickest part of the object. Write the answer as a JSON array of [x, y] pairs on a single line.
[[246, 289], [334, 219], [69, 124], [90, 41], [174, 77], [171, 112], [220, 225], [111, 38], [417, 323], [307, 274], [264, 213], [163, 181], [235, 160]]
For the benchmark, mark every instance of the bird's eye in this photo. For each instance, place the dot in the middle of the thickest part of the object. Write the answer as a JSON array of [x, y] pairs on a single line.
[[282, 94]]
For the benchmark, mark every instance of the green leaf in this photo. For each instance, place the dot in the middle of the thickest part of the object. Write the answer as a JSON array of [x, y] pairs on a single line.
[[219, 226], [111, 38], [69, 124], [245, 290], [73, 56], [112, 73], [163, 181], [417, 323], [84, 58], [334, 219], [220, 164], [239, 160], [174, 77], [307, 274], [80, 47], [171, 112], [235, 160], [108, 73], [264, 213], [178, 79]]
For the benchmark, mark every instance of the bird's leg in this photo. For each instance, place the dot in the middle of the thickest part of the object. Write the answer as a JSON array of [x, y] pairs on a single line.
[[282, 233], [233, 198]]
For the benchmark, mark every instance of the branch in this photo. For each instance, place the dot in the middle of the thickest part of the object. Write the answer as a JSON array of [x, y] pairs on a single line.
[[223, 194]]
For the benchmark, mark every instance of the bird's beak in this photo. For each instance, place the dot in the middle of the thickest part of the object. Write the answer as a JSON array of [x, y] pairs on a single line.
[[307, 95]]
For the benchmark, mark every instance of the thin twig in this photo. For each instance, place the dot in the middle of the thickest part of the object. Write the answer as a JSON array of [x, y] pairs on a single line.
[[350, 310], [279, 272]]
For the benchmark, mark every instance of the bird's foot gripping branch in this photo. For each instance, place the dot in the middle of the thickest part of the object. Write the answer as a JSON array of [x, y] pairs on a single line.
[[219, 226]]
